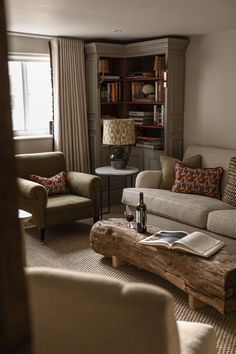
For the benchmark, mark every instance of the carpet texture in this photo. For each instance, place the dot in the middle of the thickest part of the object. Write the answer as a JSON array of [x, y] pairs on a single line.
[[68, 248]]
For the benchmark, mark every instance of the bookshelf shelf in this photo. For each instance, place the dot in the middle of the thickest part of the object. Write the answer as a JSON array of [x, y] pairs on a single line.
[[143, 79], [149, 103], [149, 126], [112, 103]]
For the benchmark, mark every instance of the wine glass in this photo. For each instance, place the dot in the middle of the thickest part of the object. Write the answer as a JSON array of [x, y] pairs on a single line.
[[129, 217]]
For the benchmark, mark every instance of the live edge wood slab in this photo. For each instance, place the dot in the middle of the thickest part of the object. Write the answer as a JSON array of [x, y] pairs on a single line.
[[209, 281]]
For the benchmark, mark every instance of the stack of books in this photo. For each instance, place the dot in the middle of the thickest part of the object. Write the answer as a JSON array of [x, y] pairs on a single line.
[[141, 117], [149, 142], [144, 98], [111, 77], [138, 74]]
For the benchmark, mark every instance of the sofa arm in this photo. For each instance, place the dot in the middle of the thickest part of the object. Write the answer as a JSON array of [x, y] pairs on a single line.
[[84, 184], [148, 179]]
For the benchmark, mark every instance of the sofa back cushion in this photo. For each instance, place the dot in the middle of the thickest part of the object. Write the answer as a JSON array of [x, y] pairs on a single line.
[[168, 168], [45, 164], [212, 157]]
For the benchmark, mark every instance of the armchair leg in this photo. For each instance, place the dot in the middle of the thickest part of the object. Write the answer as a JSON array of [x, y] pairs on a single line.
[[95, 219], [42, 236]]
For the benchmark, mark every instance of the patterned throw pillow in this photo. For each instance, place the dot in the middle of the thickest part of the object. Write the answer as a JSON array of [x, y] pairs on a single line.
[[230, 189], [168, 168], [53, 185], [204, 181]]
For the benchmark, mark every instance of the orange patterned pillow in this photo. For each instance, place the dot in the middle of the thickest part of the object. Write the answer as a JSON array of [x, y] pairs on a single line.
[[204, 181], [53, 185]]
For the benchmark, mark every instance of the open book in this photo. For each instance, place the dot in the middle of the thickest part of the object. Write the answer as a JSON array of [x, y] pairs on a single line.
[[196, 242]]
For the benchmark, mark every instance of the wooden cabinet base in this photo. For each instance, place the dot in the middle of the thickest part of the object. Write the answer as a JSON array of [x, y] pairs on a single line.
[[206, 281]]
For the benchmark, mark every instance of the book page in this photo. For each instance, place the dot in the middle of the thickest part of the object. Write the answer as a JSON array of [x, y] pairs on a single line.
[[164, 238], [170, 236], [199, 243]]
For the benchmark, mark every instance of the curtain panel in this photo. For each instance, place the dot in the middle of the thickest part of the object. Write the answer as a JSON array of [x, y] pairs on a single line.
[[69, 102]]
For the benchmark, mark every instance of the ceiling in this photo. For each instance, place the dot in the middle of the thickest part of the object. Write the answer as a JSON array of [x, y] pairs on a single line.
[[120, 20]]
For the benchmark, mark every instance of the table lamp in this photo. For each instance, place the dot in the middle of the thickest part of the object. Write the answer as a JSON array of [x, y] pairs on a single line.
[[103, 68], [118, 133]]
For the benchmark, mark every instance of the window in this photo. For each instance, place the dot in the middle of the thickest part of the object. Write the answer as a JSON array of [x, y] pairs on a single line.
[[31, 97]]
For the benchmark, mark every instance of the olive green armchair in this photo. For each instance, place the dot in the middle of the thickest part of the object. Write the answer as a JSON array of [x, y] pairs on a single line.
[[81, 200]]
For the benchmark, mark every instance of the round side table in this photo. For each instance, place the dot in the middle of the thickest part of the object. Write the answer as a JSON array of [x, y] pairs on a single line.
[[109, 171]]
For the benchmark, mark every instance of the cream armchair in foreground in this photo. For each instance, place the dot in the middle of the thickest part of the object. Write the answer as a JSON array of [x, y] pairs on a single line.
[[78, 313], [81, 200]]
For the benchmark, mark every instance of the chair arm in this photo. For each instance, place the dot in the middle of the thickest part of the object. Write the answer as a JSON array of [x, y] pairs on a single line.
[[196, 338], [33, 198], [148, 179], [32, 190], [84, 184]]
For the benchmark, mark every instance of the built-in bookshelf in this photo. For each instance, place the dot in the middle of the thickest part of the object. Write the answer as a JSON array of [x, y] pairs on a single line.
[[145, 82]]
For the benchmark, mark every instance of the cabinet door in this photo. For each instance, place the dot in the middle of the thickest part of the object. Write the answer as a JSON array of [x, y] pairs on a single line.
[[151, 159], [136, 158]]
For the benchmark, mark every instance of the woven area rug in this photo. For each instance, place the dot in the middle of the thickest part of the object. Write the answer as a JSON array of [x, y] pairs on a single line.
[[68, 248]]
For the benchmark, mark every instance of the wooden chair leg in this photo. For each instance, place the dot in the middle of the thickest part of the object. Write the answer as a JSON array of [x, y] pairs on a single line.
[[42, 236]]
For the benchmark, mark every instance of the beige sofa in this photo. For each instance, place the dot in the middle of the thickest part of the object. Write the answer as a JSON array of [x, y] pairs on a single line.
[[188, 212], [81, 201], [78, 313]]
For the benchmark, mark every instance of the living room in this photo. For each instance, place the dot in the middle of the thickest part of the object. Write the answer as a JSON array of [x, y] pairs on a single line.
[[208, 107]]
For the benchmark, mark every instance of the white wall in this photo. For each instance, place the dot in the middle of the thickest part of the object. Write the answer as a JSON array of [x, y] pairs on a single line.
[[210, 92], [31, 145], [21, 44]]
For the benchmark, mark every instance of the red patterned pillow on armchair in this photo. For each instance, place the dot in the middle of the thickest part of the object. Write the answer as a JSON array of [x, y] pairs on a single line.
[[53, 185], [204, 181]]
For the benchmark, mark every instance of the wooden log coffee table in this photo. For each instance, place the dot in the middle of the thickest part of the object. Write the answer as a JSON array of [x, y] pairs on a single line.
[[209, 281]]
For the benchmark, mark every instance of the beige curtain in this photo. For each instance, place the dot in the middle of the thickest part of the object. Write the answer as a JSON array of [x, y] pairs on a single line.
[[69, 98]]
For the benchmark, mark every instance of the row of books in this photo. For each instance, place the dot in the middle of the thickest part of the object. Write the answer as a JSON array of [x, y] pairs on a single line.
[[110, 92]]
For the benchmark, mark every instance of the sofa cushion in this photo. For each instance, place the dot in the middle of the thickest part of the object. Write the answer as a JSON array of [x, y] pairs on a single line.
[[168, 168], [230, 189], [188, 208], [203, 181], [54, 185], [222, 222], [67, 202]]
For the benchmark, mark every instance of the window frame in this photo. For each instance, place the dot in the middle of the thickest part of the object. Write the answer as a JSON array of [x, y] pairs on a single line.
[[24, 58]]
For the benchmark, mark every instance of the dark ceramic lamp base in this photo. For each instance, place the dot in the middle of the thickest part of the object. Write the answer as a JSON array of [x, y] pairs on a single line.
[[119, 158]]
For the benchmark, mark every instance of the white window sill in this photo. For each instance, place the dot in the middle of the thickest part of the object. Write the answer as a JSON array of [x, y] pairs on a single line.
[[33, 137]]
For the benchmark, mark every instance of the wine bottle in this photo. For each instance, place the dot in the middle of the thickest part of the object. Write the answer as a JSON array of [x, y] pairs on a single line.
[[141, 214]]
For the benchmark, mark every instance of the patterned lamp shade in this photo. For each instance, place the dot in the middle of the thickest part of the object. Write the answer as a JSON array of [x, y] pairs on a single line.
[[118, 132], [103, 66]]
